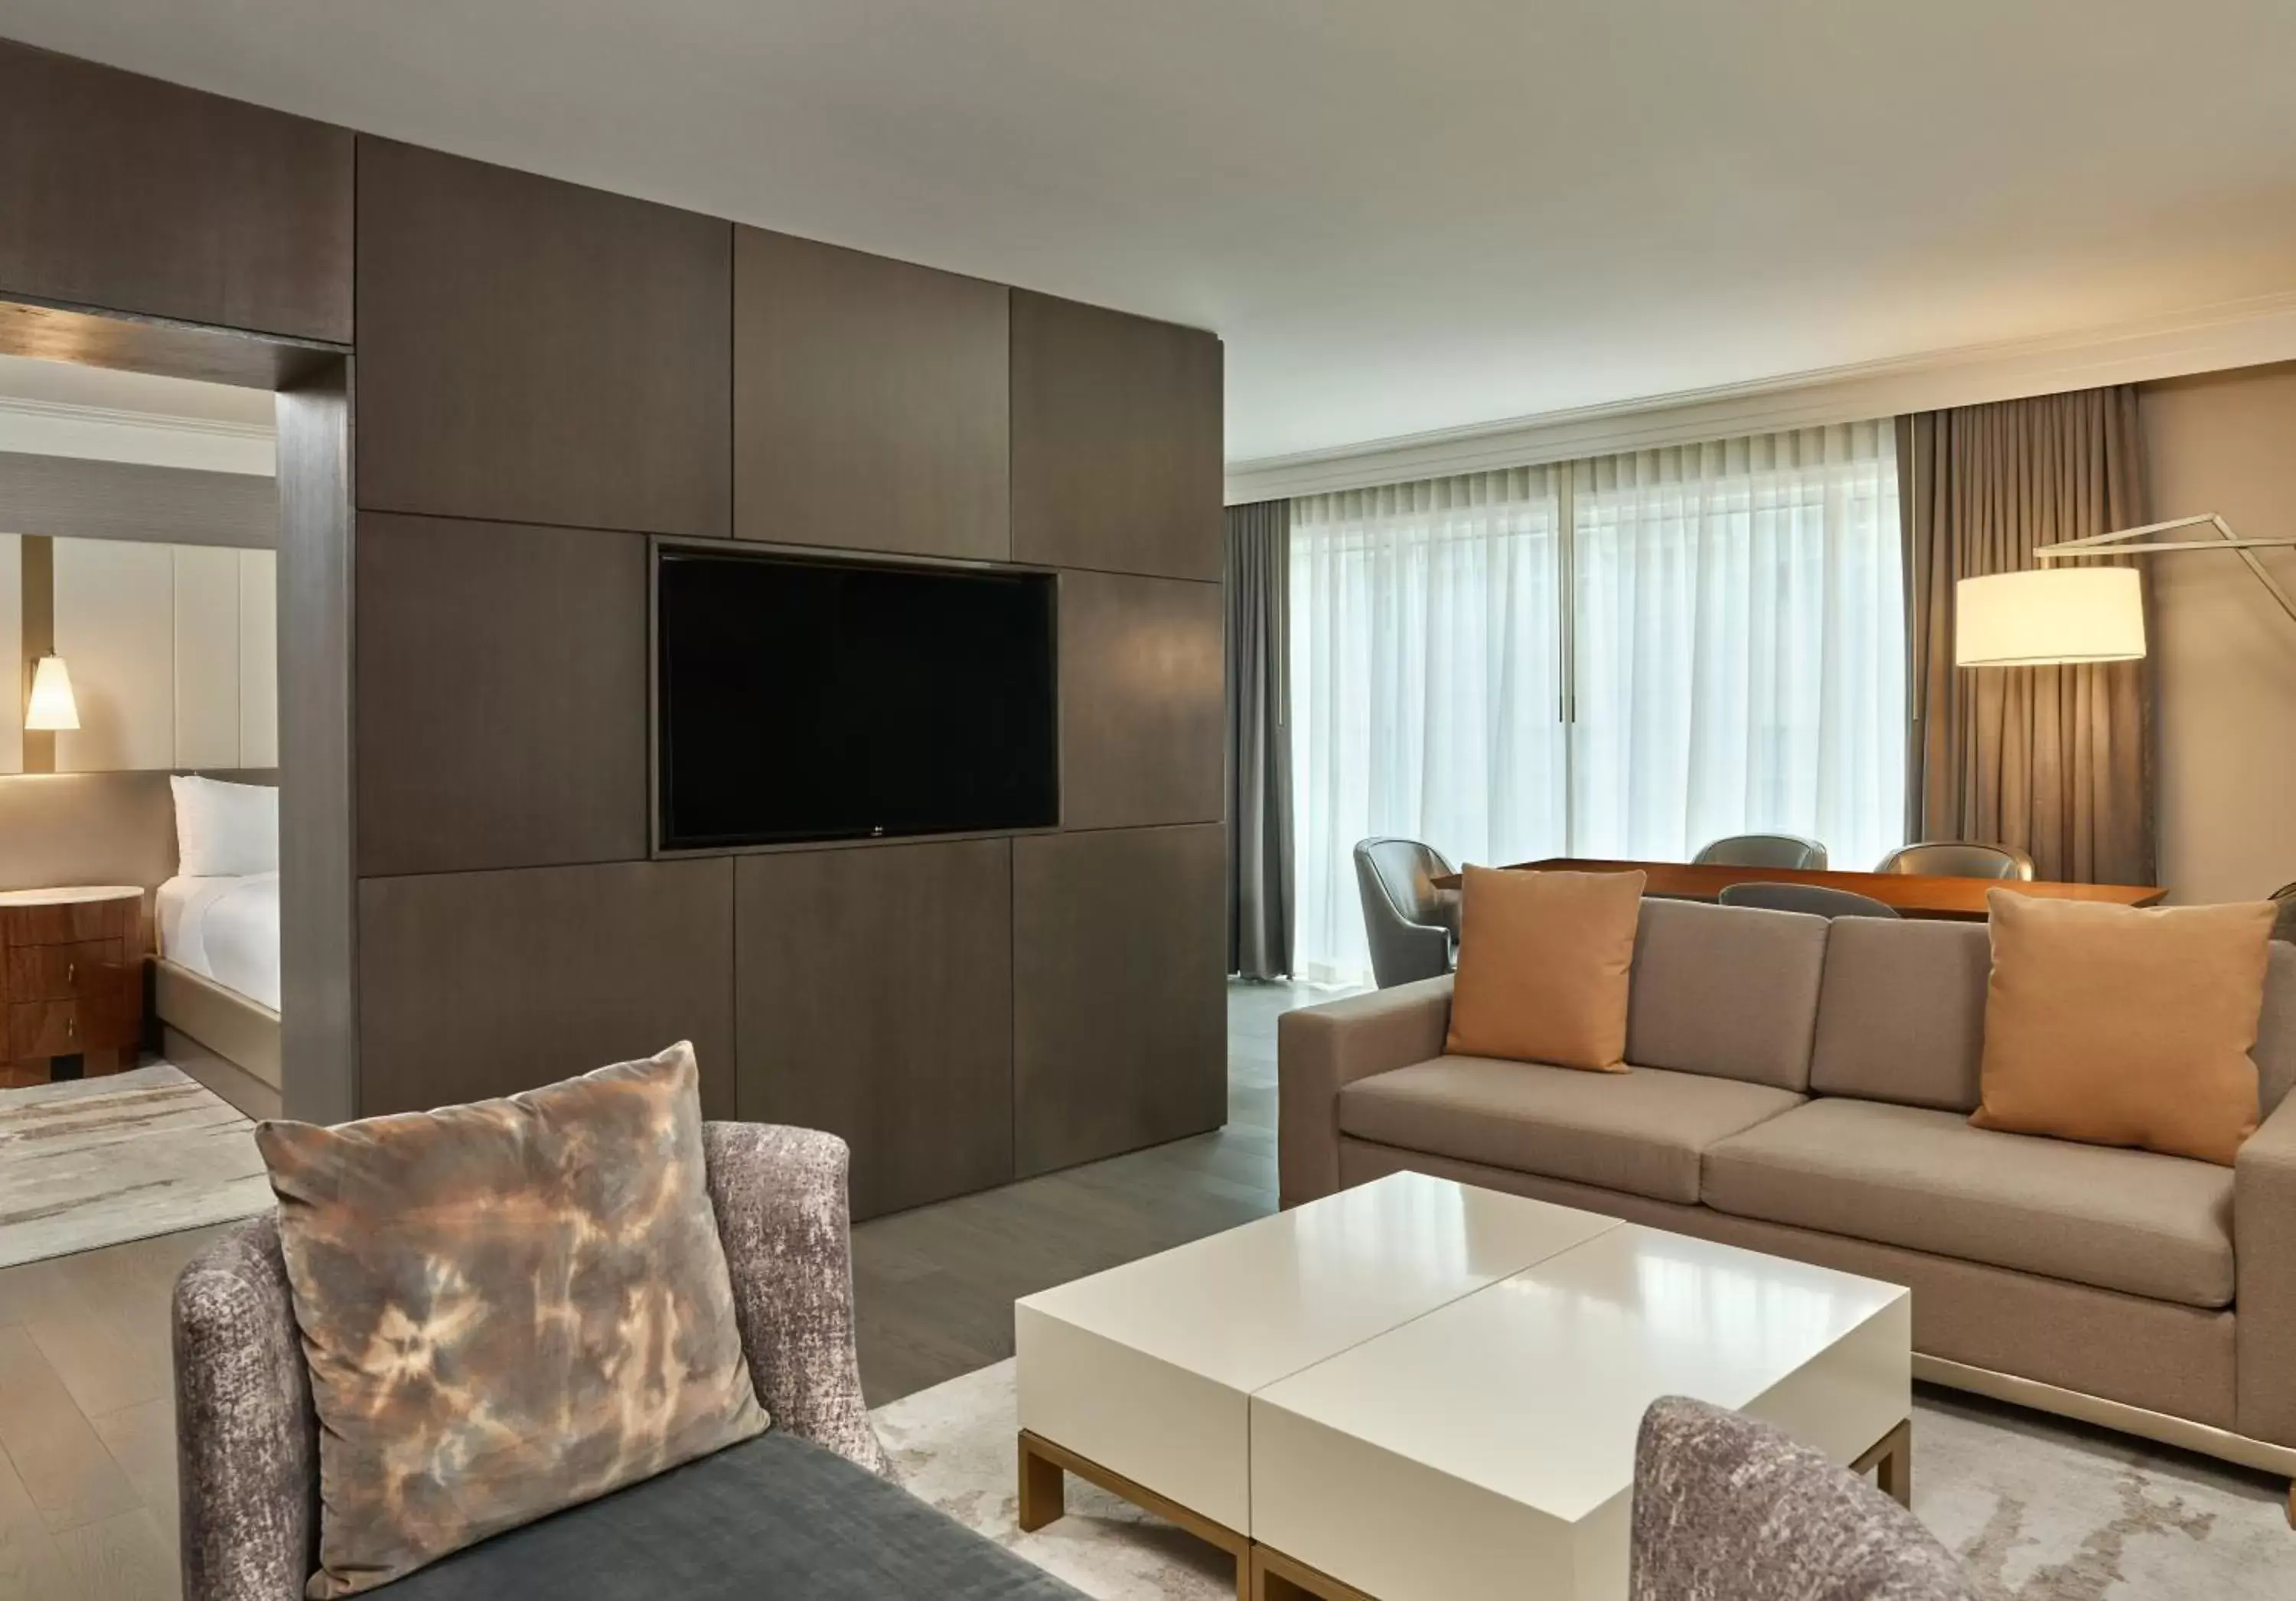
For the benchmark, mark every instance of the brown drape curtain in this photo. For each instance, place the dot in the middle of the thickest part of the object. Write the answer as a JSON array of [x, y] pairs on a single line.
[[2052, 759], [1259, 740]]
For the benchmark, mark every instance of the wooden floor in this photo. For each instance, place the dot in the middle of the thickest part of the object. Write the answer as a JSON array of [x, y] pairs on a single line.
[[88, 1462]]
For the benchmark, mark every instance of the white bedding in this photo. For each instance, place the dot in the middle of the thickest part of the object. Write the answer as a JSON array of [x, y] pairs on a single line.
[[225, 929]]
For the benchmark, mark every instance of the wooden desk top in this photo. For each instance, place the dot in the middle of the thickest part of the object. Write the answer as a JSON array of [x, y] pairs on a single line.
[[1913, 895]]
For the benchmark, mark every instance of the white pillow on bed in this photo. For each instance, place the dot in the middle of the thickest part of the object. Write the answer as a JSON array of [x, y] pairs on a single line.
[[225, 830]]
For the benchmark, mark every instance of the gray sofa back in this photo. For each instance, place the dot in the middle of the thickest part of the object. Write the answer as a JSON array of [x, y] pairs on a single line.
[[1901, 1016], [1728, 991]]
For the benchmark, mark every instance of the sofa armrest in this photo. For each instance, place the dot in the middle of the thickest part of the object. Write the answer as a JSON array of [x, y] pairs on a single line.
[[247, 1439], [2263, 1299], [1321, 1050], [782, 1213]]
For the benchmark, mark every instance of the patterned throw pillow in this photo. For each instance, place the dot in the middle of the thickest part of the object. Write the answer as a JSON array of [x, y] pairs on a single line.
[[507, 1308]]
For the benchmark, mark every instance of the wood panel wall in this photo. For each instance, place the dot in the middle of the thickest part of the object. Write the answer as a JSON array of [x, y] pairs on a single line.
[[545, 376]]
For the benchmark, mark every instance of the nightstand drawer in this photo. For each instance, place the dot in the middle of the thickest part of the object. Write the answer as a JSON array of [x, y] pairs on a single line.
[[69, 921], [40, 972], [44, 1029]]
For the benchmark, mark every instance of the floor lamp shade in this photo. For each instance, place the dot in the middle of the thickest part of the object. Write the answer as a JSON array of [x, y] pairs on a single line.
[[2053, 615]]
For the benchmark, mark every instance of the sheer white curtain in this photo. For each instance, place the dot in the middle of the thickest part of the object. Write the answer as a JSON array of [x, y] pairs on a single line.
[[1737, 639], [1425, 685], [1741, 645]]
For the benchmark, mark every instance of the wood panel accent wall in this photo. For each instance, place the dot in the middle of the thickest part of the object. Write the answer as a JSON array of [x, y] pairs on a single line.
[[1116, 441], [1143, 665], [130, 194], [475, 984], [873, 998], [534, 351], [1120, 1025], [871, 402], [544, 375], [502, 696]]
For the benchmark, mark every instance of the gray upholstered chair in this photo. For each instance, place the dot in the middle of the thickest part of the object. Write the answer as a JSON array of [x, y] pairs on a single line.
[[1816, 900], [809, 1507], [1412, 927], [1957, 859], [1727, 1506], [2283, 924], [1763, 850]]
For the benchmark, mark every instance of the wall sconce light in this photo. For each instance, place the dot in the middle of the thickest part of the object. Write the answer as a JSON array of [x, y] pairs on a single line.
[[51, 706]]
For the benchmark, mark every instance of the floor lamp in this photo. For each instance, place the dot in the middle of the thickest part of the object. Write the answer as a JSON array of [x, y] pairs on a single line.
[[2057, 614]]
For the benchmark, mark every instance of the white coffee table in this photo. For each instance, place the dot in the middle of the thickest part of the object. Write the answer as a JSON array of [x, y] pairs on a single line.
[[1418, 1389]]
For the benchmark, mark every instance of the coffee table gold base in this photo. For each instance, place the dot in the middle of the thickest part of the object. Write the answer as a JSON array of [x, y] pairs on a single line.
[[1890, 1461], [1044, 1467], [1276, 1577], [1262, 1572]]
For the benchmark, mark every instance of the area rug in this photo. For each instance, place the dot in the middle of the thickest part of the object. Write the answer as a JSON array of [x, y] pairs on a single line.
[[2038, 1510], [99, 1162]]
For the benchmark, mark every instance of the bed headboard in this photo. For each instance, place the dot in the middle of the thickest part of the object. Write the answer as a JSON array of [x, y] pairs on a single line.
[[91, 828]]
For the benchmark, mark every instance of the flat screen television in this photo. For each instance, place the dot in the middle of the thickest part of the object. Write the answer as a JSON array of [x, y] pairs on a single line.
[[805, 699]]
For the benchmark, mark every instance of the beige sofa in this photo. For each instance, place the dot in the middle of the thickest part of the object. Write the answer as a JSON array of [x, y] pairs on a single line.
[[1803, 1087]]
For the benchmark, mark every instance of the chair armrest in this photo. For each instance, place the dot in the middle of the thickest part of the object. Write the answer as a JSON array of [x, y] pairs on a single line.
[[247, 1440], [782, 1213], [1320, 1050], [2263, 1299]]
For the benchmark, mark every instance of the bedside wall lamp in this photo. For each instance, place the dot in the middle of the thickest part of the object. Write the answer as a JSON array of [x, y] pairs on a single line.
[[2054, 615], [51, 706]]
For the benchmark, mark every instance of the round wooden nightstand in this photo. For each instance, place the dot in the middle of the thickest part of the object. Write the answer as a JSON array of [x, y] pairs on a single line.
[[71, 981]]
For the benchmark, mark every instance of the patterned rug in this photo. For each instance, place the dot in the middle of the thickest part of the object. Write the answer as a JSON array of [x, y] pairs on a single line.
[[2039, 1510], [99, 1162]]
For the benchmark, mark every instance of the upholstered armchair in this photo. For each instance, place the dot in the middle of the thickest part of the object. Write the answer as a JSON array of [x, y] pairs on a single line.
[[1411, 925], [247, 1438], [1725, 1506]]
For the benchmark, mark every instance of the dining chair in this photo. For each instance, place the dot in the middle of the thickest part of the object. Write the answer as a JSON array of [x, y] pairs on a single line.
[[1816, 900], [1412, 927], [1957, 859], [1762, 850], [2283, 924], [1726, 1506]]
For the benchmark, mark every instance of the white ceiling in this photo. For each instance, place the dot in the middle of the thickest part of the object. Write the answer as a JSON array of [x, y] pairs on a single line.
[[1402, 214]]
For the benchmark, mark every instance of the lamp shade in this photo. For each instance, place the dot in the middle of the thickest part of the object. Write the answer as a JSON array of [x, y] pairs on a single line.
[[2057, 614], [52, 705]]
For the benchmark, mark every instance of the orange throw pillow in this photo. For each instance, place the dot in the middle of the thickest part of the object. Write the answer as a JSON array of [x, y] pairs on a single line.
[[2120, 1027], [1543, 959]]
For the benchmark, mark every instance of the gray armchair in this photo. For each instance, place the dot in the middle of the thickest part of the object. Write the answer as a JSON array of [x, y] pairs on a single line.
[[810, 1505], [1817, 900], [1958, 858], [1412, 927], [1725, 1506], [1762, 850]]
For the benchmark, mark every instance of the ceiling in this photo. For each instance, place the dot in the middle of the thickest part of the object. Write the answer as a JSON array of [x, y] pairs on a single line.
[[1402, 216]]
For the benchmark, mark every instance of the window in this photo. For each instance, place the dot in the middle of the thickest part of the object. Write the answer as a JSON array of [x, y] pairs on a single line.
[[1730, 659]]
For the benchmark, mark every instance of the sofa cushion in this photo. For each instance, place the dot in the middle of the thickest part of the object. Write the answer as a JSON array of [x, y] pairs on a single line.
[[1901, 1016], [1640, 1131], [775, 1516], [2123, 1025], [1543, 959], [506, 1308], [1728, 991], [2117, 1220]]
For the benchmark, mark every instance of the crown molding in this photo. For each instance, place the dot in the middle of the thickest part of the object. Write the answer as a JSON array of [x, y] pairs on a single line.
[[62, 428], [2236, 333], [110, 416]]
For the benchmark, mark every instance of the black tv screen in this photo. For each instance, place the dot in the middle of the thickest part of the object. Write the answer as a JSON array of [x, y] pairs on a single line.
[[803, 699]]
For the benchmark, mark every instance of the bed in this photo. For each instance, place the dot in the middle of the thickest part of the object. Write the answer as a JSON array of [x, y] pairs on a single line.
[[215, 980]]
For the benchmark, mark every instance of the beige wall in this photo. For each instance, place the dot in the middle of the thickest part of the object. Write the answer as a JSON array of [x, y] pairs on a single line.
[[2224, 654]]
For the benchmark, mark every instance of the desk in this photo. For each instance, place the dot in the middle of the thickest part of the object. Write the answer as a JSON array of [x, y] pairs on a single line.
[[1913, 895]]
